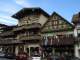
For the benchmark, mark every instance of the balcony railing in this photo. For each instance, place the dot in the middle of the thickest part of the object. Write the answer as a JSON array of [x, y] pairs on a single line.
[[29, 26], [30, 37], [58, 41], [6, 33], [8, 40]]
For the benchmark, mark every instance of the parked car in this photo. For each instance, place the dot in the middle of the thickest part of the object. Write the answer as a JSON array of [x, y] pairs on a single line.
[[10, 55], [2, 54]]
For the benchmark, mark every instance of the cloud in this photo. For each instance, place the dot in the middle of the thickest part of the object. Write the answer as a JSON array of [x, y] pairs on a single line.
[[20, 1], [10, 9], [24, 3], [8, 20], [6, 11]]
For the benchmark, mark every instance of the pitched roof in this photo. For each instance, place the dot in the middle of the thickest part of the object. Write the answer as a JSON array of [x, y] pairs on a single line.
[[60, 17], [28, 11], [3, 25]]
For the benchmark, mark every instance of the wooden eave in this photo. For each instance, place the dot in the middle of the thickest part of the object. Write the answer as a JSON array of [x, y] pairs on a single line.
[[27, 11]]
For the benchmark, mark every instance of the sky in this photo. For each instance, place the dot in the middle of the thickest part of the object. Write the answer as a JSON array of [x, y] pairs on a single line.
[[66, 8]]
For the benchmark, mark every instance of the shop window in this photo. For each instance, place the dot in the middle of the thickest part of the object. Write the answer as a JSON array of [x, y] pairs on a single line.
[[37, 49], [79, 52], [79, 35], [31, 51], [27, 50]]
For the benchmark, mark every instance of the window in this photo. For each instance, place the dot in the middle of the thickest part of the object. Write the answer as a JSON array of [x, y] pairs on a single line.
[[55, 17], [55, 27], [60, 27], [64, 26], [60, 22], [55, 22]]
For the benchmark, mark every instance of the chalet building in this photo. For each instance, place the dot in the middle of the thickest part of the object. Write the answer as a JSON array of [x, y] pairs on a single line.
[[58, 35], [39, 32], [28, 30], [76, 22]]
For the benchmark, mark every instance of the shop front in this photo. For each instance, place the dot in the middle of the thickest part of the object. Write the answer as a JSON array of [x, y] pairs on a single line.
[[30, 49], [64, 50]]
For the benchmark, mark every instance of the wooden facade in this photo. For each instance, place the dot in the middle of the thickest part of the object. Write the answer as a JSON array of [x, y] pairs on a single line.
[[28, 30], [37, 29], [59, 27]]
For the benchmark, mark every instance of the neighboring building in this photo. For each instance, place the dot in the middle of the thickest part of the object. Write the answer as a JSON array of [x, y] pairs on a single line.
[[2, 29], [7, 39], [28, 30], [76, 22], [58, 34]]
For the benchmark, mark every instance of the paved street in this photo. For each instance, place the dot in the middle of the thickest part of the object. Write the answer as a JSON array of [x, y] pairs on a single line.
[[6, 59]]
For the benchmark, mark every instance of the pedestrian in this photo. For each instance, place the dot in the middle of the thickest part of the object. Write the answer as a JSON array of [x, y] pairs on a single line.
[[62, 57], [22, 56]]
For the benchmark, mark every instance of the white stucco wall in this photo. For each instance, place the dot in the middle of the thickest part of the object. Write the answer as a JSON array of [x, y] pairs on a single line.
[[42, 19], [75, 32], [16, 50], [77, 45], [77, 48]]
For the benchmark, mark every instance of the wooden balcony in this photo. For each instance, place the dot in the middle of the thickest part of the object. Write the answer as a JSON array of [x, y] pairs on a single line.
[[59, 41], [9, 41], [6, 33], [30, 37], [29, 26], [77, 39]]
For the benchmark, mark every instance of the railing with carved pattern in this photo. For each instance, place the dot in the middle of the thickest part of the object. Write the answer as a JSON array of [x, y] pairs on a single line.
[[8, 40], [65, 40], [6, 33], [28, 26], [30, 37]]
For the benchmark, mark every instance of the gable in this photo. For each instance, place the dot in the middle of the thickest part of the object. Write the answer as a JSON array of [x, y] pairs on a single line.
[[56, 23], [29, 20]]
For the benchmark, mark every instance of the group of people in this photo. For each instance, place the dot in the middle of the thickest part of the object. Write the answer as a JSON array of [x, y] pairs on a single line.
[[24, 55]]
